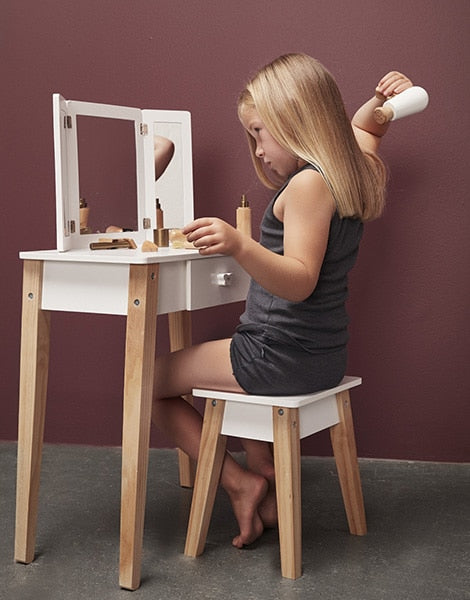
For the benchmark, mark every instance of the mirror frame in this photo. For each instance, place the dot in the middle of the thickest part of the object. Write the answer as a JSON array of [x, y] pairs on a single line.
[[65, 114]]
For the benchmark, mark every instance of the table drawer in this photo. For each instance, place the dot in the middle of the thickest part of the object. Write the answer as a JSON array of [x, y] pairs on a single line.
[[215, 280]]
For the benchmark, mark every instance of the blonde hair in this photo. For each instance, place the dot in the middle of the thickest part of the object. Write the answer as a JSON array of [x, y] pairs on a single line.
[[300, 104]]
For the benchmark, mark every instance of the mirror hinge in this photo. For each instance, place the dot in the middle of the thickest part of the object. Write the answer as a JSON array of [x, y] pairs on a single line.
[[72, 226], [144, 129], [147, 223], [67, 122]]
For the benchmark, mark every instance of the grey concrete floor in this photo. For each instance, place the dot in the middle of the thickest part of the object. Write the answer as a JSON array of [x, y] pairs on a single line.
[[417, 547]]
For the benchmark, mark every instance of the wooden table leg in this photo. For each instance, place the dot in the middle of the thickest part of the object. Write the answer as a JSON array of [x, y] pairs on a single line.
[[181, 337], [34, 367], [138, 388]]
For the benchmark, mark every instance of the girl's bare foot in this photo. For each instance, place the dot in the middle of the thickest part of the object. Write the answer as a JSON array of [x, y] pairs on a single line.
[[268, 507], [245, 500]]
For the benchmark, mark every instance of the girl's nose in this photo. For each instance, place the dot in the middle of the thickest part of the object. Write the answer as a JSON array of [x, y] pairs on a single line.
[[259, 152]]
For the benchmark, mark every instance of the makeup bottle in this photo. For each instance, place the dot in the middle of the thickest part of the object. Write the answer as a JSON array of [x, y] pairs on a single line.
[[161, 238], [159, 211], [412, 100], [244, 216], [160, 235], [84, 212]]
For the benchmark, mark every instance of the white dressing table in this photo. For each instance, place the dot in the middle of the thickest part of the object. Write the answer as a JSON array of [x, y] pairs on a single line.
[[128, 282]]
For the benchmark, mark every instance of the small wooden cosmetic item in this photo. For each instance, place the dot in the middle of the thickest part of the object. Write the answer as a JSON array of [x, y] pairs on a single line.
[[244, 216]]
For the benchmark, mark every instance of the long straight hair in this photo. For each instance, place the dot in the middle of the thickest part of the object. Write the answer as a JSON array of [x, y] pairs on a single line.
[[300, 104]]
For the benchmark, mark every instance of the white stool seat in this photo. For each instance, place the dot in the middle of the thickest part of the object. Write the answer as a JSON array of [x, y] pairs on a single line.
[[250, 416], [286, 401], [283, 420]]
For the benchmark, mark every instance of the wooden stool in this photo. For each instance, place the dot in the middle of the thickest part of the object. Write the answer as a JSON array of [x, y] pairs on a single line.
[[283, 420]]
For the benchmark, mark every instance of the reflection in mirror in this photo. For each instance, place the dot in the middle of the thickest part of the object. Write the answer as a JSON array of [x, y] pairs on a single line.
[[164, 150], [169, 171], [107, 174]]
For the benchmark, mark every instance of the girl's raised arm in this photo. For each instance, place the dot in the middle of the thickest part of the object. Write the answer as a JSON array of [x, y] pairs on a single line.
[[366, 129]]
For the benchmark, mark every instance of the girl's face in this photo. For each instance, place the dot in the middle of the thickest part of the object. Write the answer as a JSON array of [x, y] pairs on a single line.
[[280, 161]]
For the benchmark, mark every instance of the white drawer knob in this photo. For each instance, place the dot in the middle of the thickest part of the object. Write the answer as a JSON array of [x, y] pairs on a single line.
[[224, 279]]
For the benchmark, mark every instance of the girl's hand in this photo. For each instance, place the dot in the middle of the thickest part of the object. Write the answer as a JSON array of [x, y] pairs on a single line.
[[211, 235], [393, 83]]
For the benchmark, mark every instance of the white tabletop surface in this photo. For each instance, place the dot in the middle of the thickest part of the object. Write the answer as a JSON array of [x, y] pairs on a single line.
[[116, 256]]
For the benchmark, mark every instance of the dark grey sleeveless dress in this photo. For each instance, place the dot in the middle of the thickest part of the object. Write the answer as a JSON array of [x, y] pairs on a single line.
[[283, 347]]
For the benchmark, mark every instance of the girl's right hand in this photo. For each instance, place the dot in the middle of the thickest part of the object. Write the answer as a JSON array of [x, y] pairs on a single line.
[[211, 235], [393, 83]]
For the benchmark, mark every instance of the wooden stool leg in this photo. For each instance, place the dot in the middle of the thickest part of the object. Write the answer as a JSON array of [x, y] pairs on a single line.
[[288, 489], [209, 466], [138, 390], [180, 337], [35, 336], [344, 449]]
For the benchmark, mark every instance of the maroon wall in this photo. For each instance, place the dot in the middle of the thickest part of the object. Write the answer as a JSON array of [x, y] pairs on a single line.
[[410, 289]]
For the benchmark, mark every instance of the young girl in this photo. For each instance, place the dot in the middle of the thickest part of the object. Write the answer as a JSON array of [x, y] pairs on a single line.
[[292, 336]]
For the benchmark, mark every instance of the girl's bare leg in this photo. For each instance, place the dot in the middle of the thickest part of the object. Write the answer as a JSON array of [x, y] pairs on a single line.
[[259, 459], [206, 365]]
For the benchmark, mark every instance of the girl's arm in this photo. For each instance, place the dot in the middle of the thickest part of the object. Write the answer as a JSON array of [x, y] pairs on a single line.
[[163, 153], [367, 131], [306, 207]]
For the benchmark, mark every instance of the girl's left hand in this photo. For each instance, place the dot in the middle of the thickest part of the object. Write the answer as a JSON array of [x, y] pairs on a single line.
[[211, 235], [393, 83]]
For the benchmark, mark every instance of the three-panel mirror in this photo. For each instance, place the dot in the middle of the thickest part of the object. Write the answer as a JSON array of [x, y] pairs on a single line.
[[112, 164]]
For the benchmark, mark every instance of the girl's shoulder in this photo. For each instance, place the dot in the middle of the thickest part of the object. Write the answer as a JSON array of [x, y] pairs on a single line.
[[308, 177], [306, 188], [308, 180], [306, 168]]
